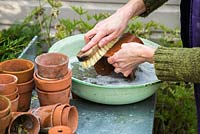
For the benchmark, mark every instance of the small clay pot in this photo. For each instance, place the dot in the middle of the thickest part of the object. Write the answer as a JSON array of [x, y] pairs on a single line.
[[50, 98], [70, 117], [45, 115], [53, 85], [4, 122], [21, 68], [13, 95], [52, 65], [25, 121], [25, 92], [14, 104], [57, 115], [5, 106], [60, 130], [7, 84]]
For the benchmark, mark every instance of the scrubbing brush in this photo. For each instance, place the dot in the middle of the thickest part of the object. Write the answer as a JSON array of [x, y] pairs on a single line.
[[90, 57]]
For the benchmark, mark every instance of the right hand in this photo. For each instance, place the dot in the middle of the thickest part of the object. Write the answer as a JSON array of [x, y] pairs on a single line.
[[105, 31]]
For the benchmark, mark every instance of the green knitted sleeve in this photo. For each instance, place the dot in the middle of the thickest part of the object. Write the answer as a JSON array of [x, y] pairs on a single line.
[[151, 5], [178, 64]]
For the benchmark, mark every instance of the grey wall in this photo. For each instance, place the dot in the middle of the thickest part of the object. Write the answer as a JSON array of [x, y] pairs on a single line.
[[12, 10]]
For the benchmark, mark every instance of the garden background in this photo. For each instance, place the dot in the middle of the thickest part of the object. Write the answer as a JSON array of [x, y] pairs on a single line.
[[53, 20]]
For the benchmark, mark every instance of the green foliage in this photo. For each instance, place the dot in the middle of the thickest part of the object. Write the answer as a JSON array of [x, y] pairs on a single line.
[[14, 39], [175, 109], [84, 23], [45, 18]]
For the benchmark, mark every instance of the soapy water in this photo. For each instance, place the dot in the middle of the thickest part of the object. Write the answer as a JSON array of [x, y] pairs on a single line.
[[144, 74]]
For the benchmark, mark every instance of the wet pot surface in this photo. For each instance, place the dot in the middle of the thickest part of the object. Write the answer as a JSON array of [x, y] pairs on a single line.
[[113, 89]]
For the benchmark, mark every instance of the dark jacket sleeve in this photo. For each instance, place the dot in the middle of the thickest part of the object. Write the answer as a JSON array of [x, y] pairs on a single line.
[[178, 64], [151, 5]]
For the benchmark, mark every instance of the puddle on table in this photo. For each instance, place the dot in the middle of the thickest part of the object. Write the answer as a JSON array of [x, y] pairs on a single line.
[[145, 73]]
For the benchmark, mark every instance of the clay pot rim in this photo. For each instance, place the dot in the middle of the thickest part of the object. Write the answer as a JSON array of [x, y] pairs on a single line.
[[58, 110], [51, 92], [8, 108], [66, 77], [11, 75], [18, 114], [76, 112], [46, 54], [16, 92], [52, 112], [18, 72], [60, 127], [9, 115], [25, 83], [16, 99]]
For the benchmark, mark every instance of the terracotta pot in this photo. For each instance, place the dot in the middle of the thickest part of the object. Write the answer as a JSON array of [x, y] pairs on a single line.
[[45, 115], [5, 121], [60, 130], [49, 98], [52, 65], [25, 92], [25, 121], [21, 68], [57, 115], [5, 106], [102, 67], [14, 104], [13, 95], [7, 84], [53, 85], [70, 117]]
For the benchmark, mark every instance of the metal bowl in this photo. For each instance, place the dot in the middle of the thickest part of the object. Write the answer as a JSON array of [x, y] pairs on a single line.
[[105, 94]]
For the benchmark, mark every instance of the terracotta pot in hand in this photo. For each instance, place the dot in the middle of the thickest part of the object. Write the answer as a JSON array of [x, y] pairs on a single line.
[[45, 115], [21, 68], [14, 104], [25, 122], [4, 122], [25, 92], [70, 117], [52, 65], [53, 85], [102, 67], [49, 98], [7, 84], [60, 130], [5, 106]]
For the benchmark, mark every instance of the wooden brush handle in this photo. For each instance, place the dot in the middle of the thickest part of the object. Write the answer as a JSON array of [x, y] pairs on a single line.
[[83, 56]]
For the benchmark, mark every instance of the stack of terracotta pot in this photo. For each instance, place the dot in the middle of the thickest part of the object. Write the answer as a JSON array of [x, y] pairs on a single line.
[[56, 115], [23, 69], [52, 78], [5, 113], [8, 88], [53, 84]]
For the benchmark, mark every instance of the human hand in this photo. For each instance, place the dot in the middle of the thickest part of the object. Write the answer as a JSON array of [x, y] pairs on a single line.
[[130, 56], [106, 30]]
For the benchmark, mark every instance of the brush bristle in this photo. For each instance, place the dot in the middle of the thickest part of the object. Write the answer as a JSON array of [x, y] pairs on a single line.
[[97, 55]]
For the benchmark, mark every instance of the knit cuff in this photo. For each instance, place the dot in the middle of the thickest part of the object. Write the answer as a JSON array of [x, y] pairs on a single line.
[[178, 64], [151, 5]]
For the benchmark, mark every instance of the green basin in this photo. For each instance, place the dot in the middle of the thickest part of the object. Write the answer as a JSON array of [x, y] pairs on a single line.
[[113, 95]]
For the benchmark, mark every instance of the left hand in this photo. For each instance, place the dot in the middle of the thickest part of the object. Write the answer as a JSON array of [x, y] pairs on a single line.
[[130, 56]]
